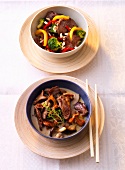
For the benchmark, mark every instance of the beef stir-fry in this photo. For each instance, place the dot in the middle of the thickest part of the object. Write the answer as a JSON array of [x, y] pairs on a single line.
[[59, 112], [58, 33]]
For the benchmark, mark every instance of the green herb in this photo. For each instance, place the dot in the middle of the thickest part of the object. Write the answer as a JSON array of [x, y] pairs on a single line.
[[54, 114]]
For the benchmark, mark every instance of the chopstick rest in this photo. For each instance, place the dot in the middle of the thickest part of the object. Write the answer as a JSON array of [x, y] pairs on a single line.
[[96, 120], [90, 127]]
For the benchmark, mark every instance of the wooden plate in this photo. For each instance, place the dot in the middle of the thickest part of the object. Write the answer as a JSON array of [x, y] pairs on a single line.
[[55, 149], [54, 65]]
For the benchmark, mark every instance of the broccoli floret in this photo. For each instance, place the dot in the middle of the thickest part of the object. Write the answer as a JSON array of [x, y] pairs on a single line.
[[81, 33], [54, 44], [53, 28], [41, 21]]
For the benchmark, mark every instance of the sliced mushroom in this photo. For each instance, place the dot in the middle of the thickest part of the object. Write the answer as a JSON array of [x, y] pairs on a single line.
[[59, 135], [73, 117], [38, 106], [76, 99], [79, 121], [55, 91], [44, 114], [62, 91], [40, 97], [72, 127], [52, 101], [62, 129], [51, 132], [48, 123], [70, 96]]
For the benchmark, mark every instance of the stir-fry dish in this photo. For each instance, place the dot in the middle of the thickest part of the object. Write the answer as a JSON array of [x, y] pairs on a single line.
[[58, 33], [59, 112]]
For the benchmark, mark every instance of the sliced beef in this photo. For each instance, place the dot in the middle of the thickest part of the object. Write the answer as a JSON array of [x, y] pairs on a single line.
[[61, 27], [74, 43], [71, 23], [39, 117], [63, 23], [56, 91], [81, 108], [40, 111], [51, 14], [64, 104], [37, 41]]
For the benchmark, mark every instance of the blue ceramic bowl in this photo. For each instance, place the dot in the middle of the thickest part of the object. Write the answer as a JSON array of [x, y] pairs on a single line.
[[62, 84]]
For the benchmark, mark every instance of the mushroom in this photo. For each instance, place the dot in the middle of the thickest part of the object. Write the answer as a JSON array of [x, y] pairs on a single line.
[[62, 129], [38, 106], [52, 101], [72, 127], [73, 117], [76, 99], [40, 97], [44, 114], [52, 131], [79, 121], [48, 123], [59, 135]]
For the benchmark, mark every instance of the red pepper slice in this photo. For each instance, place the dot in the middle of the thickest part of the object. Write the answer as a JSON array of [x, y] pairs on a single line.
[[47, 25], [50, 37], [47, 47], [53, 21], [67, 49], [60, 39], [67, 27]]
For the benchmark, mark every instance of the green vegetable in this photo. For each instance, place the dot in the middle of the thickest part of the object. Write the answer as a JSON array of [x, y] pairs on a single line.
[[81, 33], [54, 44], [54, 114], [41, 21], [52, 29]]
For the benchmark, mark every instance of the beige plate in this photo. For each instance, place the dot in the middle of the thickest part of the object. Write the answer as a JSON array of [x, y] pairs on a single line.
[[55, 149], [54, 65]]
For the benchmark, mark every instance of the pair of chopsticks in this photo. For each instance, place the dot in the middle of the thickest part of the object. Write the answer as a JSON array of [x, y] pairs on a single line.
[[90, 126]]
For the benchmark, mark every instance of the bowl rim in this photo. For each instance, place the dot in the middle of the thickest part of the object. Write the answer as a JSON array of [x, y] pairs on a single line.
[[67, 137], [68, 52]]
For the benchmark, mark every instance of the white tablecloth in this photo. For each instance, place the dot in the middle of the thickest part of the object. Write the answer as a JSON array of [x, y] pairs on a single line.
[[107, 70]]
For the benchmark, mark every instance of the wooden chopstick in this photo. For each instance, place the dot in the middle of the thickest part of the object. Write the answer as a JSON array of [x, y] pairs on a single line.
[[90, 127], [96, 120]]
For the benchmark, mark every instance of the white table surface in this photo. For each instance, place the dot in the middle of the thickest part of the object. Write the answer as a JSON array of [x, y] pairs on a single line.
[[107, 70]]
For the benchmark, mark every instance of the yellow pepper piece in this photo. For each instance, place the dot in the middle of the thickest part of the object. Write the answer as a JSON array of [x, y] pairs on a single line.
[[72, 31], [39, 31], [60, 17]]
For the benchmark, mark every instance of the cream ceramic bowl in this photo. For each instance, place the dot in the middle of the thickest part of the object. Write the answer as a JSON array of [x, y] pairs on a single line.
[[69, 11]]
